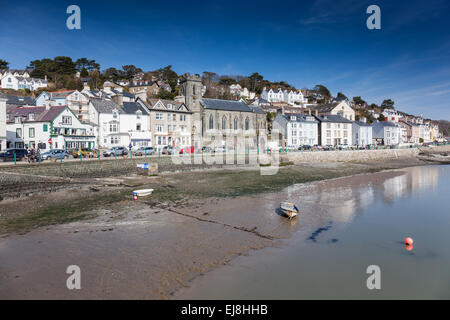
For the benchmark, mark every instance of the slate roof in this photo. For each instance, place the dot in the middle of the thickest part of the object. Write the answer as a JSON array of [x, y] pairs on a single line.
[[384, 124], [133, 107], [332, 118], [300, 117], [257, 109], [60, 94], [19, 100], [51, 114], [24, 112], [327, 107], [177, 105], [362, 124], [124, 93], [106, 106], [228, 105]]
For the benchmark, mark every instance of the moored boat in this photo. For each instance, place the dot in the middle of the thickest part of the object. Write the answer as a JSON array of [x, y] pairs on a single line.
[[142, 193], [289, 209]]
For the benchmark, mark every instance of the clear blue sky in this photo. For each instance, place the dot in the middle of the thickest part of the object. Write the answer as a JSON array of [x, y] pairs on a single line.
[[302, 42]]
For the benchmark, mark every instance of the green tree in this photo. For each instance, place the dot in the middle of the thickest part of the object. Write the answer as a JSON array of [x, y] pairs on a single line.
[[255, 81], [382, 117], [387, 104], [3, 64], [321, 89], [84, 73], [358, 100], [340, 95], [227, 81], [130, 71]]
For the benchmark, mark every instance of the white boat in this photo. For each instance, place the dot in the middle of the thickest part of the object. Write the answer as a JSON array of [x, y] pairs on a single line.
[[142, 193], [289, 209]]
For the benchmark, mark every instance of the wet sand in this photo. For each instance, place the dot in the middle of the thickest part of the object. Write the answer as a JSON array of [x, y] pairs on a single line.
[[144, 251]]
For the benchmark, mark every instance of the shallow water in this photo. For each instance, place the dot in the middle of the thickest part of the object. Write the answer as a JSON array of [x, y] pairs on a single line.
[[365, 225]]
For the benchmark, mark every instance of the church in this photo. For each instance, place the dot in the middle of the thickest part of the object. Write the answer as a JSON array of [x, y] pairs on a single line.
[[236, 124]]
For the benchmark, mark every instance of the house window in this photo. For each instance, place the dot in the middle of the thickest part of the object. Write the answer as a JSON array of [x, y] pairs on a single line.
[[247, 124], [224, 123], [159, 128], [138, 127], [18, 133], [159, 116], [211, 122], [235, 123], [138, 115], [31, 132], [67, 120], [113, 127], [31, 116], [115, 115]]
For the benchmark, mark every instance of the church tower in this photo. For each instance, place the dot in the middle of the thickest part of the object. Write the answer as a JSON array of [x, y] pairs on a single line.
[[191, 88]]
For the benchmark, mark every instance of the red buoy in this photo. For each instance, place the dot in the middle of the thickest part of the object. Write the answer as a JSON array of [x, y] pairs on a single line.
[[409, 247], [409, 241]]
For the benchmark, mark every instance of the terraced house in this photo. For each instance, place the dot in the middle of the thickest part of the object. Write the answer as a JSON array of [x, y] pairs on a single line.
[[120, 123], [297, 130], [334, 130], [17, 81], [169, 121], [47, 128]]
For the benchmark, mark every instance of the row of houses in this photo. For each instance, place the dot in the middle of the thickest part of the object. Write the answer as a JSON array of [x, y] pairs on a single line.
[[111, 117], [20, 80], [334, 124]]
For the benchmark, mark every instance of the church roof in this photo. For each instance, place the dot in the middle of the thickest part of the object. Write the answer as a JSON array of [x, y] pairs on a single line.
[[227, 105]]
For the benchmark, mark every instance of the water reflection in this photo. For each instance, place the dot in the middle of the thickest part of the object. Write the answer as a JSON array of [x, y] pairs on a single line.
[[343, 199]]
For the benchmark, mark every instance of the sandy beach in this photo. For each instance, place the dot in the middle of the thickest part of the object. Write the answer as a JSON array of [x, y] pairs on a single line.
[[149, 249]]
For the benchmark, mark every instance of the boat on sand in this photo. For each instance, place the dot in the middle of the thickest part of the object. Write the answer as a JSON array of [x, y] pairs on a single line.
[[289, 209]]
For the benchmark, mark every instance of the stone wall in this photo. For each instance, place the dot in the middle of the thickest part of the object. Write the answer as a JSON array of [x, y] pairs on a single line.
[[356, 155]]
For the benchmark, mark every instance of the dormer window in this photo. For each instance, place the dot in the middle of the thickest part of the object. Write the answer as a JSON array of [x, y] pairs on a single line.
[[293, 118], [115, 114], [138, 114], [31, 116]]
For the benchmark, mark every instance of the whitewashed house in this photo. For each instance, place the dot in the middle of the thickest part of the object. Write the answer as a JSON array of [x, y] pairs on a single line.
[[386, 133], [272, 95], [391, 115], [362, 133], [11, 81], [120, 123], [294, 97], [48, 128], [297, 129], [2, 122]]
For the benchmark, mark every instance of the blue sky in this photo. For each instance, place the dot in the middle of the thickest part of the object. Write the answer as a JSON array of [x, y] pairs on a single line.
[[302, 42]]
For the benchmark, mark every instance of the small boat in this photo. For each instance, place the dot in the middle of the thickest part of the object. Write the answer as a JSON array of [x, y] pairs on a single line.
[[142, 193], [289, 209]]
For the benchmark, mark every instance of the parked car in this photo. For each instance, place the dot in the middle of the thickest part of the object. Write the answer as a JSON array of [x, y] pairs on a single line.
[[142, 151], [207, 150], [187, 150], [8, 155], [304, 147], [119, 151], [55, 154], [86, 152], [220, 149], [167, 150]]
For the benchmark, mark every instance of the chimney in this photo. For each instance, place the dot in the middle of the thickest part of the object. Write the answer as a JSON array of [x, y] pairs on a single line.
[[309, 111], [118, 99], [86, 87], [316, 112]]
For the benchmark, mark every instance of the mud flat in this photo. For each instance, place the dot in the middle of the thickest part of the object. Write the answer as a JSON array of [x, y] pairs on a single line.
[[151, 248]]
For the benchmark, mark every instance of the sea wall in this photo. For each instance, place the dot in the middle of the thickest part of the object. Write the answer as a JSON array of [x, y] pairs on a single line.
[[357, 155]]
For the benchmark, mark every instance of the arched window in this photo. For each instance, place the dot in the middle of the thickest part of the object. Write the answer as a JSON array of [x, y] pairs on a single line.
[[224, 123], [211, 122], [235, 123], [247, 124]]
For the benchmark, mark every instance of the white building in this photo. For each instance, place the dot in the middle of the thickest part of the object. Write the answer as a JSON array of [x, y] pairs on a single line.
[[2, 122], [362, 133], [120, 124], [391, 115], [11, 81], [289, 96], [237, 91], [386, 133], [297, 129], [334, 130], [47, 128], [272, 95], [294, 97], [341, 108]]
